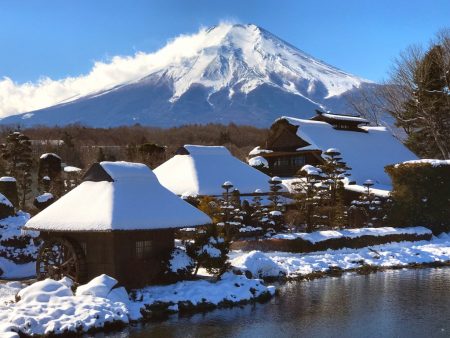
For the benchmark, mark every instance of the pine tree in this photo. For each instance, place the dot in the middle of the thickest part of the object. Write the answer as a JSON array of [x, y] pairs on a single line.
[[17, 154], [275, 214], [334, 171], [306, 195], [210, 250], [369, 206], [230, 211], [257, 210]]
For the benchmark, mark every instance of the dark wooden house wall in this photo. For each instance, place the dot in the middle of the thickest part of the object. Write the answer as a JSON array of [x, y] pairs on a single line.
[[114, 254]]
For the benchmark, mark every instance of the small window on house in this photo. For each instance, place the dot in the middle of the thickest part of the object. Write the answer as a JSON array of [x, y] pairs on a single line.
[[143, 249], [298, 161], [281, 162]]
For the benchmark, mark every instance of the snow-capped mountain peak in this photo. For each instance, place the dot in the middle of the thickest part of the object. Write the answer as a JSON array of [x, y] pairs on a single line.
[[227, 73], [242, 57]]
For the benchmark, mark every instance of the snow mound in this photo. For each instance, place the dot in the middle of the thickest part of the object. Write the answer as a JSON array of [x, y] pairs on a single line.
[[43, 291], [98, 287], [258, 264], [49, 307]]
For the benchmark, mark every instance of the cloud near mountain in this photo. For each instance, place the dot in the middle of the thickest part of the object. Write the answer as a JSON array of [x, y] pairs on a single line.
[[18, 98]]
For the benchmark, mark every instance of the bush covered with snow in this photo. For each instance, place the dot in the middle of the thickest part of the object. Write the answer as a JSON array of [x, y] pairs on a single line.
[[44, 200], [258, 265], [209, 250], [179, 265], [6, 207], [17, 251], [420, 195]]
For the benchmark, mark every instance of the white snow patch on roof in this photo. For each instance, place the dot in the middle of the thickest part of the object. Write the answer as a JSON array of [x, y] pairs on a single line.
[[71, 169], [204, 170], [5, 201], [377, 190], [7, 179], [345, 118], [49, 154], [257, 150], [366, 153], [44, 197]]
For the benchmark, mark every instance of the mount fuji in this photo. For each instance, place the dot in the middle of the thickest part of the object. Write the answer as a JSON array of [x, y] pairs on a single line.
[[228, 73]]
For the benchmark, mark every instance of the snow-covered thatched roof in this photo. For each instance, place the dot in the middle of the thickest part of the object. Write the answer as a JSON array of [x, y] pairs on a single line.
[[367, 153], [201, 170], [347, 118], [118, 196]]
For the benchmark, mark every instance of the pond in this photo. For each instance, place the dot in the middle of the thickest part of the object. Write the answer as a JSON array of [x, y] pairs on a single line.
[[400, 303]]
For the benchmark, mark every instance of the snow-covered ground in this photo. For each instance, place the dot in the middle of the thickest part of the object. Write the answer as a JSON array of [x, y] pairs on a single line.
[[50, 306], [274, 264]]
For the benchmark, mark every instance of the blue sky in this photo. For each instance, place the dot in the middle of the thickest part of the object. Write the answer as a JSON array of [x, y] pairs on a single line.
[[64, 38]]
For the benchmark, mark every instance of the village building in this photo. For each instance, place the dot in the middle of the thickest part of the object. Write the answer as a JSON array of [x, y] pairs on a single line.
[[293, 143], [202, 170], [119, 221]]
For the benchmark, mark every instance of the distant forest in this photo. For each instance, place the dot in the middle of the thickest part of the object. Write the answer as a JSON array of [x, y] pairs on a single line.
[[84, 145]]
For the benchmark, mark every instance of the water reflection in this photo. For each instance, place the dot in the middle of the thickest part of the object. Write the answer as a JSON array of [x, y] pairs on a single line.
[[401, 303]]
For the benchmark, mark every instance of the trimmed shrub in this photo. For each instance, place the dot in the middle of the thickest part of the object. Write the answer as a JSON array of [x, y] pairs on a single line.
[[8, 187], [420, 196]]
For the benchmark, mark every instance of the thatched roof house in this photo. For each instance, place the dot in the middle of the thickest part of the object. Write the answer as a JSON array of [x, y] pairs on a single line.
[[118, 221], [294, 142], [201, 170]]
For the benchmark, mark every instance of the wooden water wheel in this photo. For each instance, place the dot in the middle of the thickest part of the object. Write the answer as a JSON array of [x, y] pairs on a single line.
[[60, 257]]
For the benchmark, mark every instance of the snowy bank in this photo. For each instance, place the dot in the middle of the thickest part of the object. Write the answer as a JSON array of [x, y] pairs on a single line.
[[333, 239], [50, 307], [319, 236], [298, 265]]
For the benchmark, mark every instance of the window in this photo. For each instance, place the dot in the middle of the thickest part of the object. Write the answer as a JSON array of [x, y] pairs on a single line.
[[281, 162], [143, 249], [298, 161]]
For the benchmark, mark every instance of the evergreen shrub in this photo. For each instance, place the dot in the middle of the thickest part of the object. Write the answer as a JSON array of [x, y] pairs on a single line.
[[420, 196]]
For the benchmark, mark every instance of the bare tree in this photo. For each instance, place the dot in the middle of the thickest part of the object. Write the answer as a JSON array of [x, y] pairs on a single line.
[[417, 95], [368, 103]]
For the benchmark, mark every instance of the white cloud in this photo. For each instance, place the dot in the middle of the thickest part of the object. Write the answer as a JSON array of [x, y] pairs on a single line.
[[18, 98]]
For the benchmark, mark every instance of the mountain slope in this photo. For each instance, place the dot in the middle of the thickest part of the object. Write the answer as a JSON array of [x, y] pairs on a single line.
[[229, 73]]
